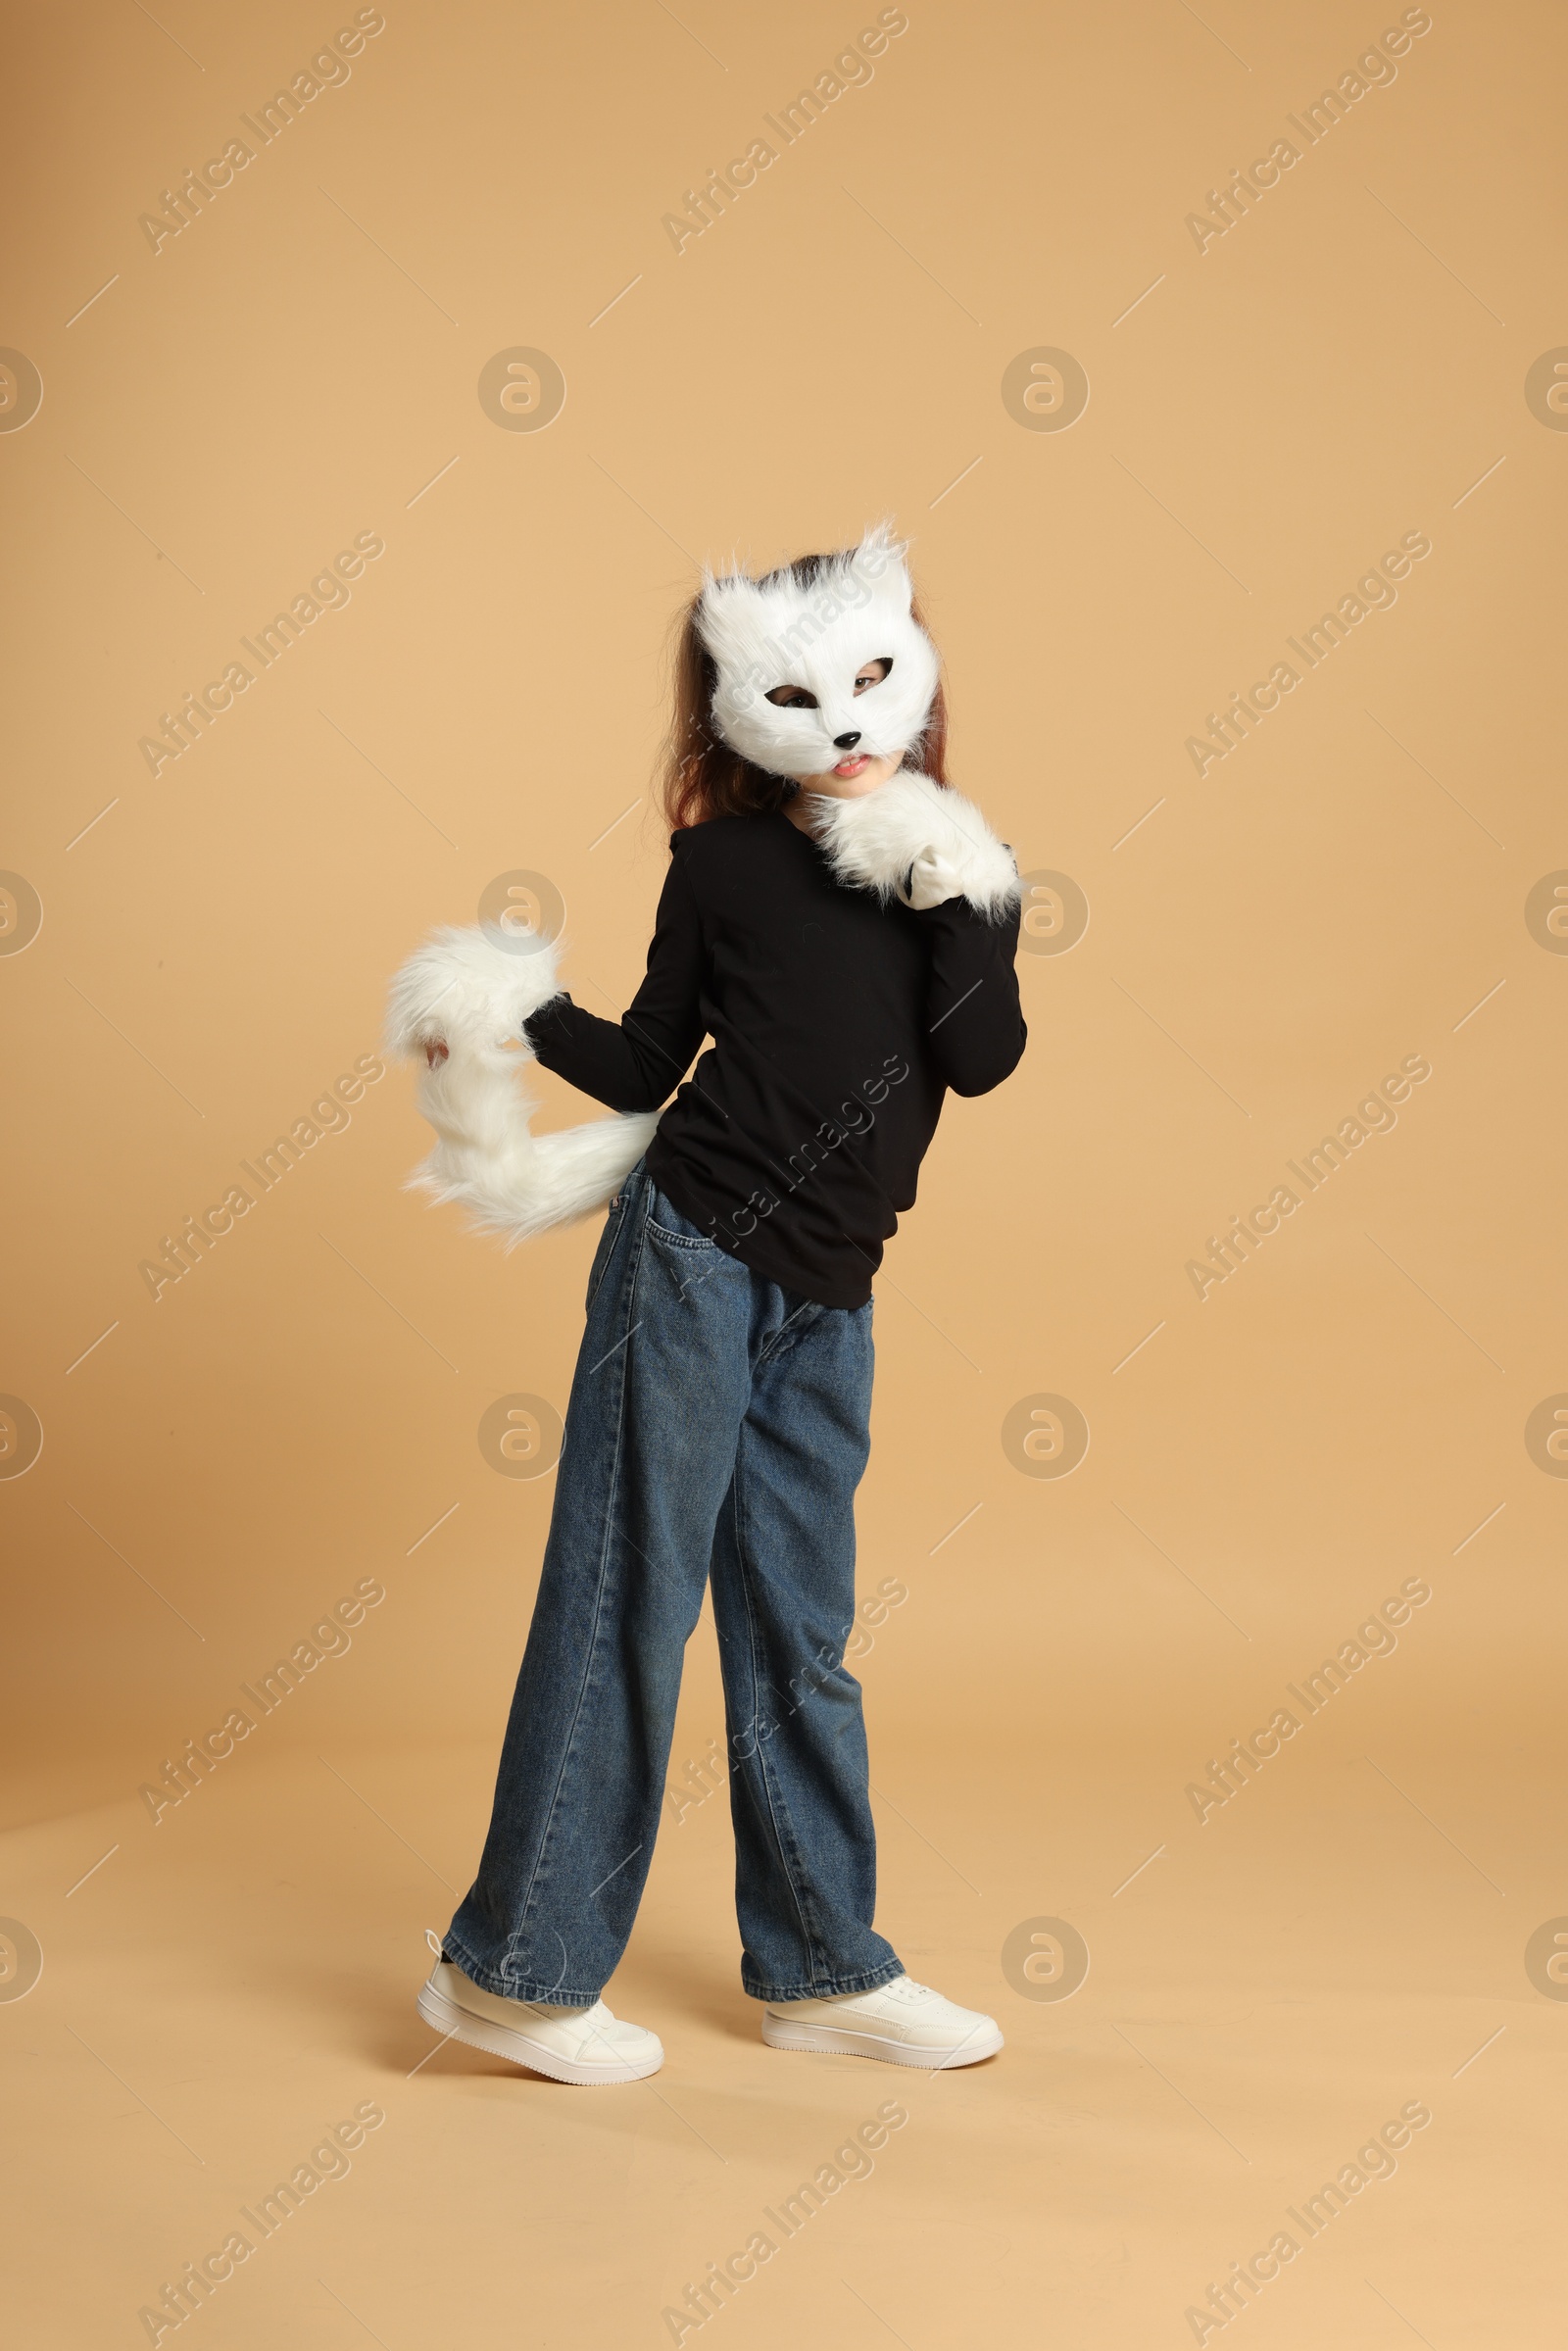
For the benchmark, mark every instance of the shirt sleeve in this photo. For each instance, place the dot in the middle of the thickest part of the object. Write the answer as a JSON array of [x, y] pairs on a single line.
[[635, 1063], [973, 1017]]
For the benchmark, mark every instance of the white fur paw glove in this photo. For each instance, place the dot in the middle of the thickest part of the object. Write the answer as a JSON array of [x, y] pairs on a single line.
[[930, 882]]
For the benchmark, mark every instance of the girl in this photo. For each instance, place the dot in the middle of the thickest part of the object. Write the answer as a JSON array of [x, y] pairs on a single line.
[[843, 926]]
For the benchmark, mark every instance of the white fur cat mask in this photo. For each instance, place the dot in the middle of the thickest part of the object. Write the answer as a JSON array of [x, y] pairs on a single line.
[[820, 637]]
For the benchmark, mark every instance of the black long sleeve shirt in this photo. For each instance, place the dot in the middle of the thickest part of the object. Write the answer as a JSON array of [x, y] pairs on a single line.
[[837, 1025]]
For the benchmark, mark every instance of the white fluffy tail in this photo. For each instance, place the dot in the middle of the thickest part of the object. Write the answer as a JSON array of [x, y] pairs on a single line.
[[873, 840], [471, 990]]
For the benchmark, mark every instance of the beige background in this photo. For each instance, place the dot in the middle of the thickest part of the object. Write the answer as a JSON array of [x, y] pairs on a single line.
[[300, 365]]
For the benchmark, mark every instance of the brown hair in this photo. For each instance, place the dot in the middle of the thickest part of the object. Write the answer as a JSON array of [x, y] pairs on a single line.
[[701, 777]]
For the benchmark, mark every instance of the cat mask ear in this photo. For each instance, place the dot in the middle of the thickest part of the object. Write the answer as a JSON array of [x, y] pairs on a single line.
[[818, 637]]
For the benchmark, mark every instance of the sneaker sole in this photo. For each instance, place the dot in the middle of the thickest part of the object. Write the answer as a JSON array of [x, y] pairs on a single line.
[[447, 2017], [834, 2041]]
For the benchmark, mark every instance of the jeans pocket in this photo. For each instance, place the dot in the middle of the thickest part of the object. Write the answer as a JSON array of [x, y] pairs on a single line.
[[607, 1242], [666, 1223]]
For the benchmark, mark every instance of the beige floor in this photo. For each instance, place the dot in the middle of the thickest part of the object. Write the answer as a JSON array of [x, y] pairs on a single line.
[[1262, 1999]]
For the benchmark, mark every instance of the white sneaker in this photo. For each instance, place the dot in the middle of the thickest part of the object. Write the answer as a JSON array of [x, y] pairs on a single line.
[[569, 2045], [905, 2022]]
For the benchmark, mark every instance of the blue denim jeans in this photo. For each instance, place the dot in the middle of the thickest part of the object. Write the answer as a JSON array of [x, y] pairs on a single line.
[[717, 1429]]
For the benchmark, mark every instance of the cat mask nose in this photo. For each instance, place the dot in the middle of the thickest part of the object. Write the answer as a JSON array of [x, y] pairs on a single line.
[[845, 742]]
